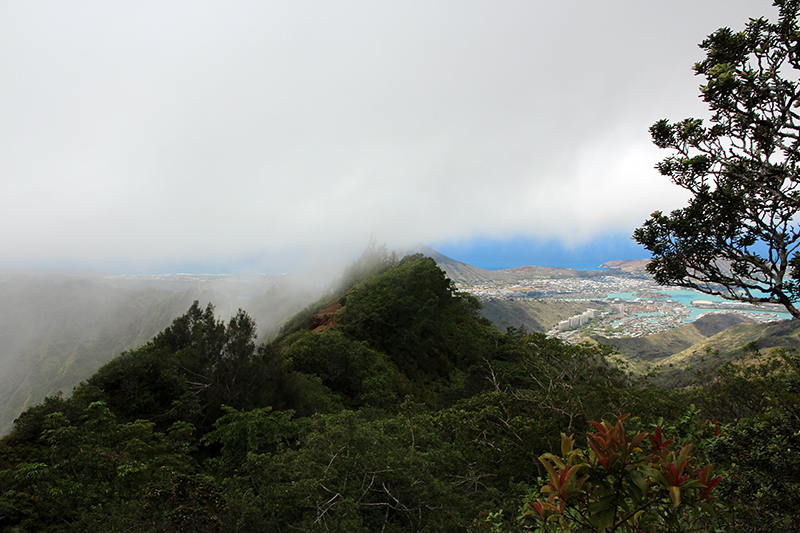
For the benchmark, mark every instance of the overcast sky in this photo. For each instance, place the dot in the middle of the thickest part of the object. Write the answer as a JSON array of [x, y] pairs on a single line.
[[228, 136]]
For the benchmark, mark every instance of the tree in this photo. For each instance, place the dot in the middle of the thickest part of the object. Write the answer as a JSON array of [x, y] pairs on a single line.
[[216, 360], [356, 373], [738, 238], [414, 314]]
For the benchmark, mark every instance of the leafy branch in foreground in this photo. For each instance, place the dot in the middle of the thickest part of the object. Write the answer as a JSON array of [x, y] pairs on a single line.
[[616, 485]]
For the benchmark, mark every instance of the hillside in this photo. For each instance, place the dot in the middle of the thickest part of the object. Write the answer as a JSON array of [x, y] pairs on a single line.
[[650, 350], [635, 266], [470, 275], [727, 345], [388, 406], [57, 328], [456, 270], [53, 334], [533, 315], [676, 355], [532, 271]]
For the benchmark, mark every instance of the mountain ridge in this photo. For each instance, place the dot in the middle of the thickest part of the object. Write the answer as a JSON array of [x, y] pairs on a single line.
[[55, 297], [461, 272]]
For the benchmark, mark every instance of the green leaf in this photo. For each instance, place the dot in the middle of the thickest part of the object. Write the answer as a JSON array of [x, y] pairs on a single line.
[[602, 503], [639, 481], [675, 496]]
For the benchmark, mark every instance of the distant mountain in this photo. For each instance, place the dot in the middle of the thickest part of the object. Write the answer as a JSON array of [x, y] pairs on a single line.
[[456, 270], [532, 271], [463, 273], [635, 266]]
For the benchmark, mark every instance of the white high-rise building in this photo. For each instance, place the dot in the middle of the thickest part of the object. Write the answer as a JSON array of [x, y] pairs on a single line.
[[577, 320]]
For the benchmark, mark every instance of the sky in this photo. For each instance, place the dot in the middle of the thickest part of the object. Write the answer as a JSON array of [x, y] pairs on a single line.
[[241, 137]]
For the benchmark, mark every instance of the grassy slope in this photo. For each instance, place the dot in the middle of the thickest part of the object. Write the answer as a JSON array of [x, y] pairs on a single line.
[[703, 344], [534, 315], [726, 346], [651, 349]]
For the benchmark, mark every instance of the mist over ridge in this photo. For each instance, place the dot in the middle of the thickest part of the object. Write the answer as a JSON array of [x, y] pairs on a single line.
[[57, 326], [254, 138]]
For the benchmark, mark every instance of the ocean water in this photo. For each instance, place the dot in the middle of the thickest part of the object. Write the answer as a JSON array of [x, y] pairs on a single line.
[[686, 297]]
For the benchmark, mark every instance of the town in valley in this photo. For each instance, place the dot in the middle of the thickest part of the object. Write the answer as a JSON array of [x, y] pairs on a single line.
[[618, 306]]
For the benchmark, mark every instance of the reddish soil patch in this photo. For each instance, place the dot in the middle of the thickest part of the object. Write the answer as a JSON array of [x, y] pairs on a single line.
[[324, 318]]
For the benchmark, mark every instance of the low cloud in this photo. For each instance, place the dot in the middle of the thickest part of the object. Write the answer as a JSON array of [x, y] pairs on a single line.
[[274, 136]]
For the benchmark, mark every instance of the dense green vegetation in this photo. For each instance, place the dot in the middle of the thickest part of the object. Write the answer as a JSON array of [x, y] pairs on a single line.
[[406, 411], [56, 332], [57, 329], [393, 406]]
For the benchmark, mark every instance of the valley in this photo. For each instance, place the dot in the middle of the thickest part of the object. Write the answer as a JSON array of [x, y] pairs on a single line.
[[628, 301], [669, 333]]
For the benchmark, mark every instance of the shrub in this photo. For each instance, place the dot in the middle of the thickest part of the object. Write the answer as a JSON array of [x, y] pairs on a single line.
[[621, 484]]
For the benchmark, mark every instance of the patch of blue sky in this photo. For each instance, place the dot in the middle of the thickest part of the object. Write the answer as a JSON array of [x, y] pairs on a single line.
[[502, 253]]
